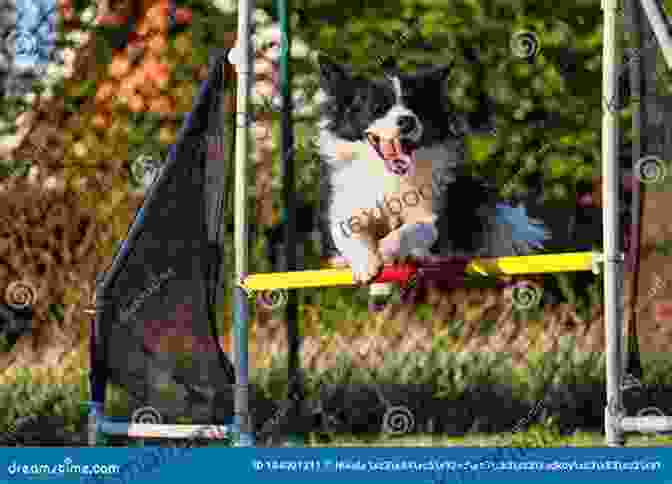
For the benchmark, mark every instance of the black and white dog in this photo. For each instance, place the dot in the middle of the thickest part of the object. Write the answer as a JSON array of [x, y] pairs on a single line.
[[394, 183]]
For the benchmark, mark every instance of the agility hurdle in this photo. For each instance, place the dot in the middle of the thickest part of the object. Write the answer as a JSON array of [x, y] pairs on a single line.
[[616, 422], [499, 266]]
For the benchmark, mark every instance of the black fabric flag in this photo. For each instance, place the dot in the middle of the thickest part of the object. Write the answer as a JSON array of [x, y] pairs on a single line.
[[155, 333]]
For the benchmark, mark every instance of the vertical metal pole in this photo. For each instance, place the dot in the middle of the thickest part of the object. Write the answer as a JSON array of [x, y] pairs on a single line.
[[632, 363], [610, 196], [243, 420], [294, 385]]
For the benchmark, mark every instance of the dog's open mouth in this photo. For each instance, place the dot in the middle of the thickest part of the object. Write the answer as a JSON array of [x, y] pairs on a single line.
[[397, 153]]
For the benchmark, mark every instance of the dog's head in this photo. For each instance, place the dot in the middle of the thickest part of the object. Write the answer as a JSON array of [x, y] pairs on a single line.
[[397, 114]]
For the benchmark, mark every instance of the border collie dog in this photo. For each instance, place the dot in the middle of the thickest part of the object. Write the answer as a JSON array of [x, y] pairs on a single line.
[[394, 178]]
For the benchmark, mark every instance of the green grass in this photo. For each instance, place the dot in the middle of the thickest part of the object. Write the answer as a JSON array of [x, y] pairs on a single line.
[[522, 439], [482, 385]]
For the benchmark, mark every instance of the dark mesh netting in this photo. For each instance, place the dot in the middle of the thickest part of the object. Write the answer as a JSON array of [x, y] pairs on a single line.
[[156, 335]]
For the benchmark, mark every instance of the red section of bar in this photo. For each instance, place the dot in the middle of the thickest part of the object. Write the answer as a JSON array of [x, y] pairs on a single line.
[[399, 273]]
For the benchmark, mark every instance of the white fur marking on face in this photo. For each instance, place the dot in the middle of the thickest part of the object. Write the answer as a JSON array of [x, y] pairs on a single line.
[[396, 83], [387, 126]]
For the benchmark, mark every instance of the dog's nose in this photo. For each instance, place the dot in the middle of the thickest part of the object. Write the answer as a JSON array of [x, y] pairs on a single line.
[[406, 124]]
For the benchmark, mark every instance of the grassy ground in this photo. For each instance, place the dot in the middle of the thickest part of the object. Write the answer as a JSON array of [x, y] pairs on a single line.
[[464, 399], [522, 439]]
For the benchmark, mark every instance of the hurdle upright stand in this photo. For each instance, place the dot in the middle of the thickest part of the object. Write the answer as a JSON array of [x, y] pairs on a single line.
[[616, 421], [243, 420], [613, 259]]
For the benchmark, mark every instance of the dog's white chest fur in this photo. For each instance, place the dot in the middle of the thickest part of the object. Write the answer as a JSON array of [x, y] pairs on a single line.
[[360, 180]]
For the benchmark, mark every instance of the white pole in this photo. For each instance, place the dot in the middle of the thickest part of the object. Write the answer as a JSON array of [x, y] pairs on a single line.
[[241, 397], [610, 196]]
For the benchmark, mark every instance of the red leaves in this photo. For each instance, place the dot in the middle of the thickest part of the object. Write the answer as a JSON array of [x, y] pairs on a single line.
[[112, 20], [183, 16]]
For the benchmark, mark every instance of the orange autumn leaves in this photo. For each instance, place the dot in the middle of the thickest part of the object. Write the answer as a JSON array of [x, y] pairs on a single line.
[[140, 75]]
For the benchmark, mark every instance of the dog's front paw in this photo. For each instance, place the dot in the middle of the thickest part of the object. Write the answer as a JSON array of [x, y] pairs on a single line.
[[409, 241], [366, 266]]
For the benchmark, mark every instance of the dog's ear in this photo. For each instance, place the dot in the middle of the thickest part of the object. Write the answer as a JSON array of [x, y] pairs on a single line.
[[441, 73], [332, 75], [431, 76]]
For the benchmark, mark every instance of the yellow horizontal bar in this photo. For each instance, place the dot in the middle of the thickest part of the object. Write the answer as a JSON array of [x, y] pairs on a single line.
[[531, 264]]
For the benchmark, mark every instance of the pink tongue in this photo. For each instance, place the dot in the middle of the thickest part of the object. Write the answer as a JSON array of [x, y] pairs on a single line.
[[392, 151]]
